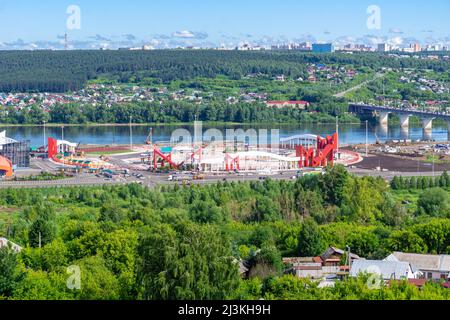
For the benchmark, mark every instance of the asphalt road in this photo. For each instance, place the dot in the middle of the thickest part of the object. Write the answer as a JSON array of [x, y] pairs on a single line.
[[75, 181], [359, 86], [152, 180]]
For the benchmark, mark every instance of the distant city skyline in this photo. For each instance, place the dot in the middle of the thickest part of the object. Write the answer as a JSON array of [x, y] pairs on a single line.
[[208, 23]]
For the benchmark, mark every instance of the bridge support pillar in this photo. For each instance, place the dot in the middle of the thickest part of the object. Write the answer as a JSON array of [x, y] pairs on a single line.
[[448, 130], [427, 135], [384, 117], [384, 132], [427, 123], [404, 133], [404, 120]]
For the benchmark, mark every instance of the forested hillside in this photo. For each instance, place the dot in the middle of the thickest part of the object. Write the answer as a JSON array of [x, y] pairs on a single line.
[[176, 242], [62, 71]]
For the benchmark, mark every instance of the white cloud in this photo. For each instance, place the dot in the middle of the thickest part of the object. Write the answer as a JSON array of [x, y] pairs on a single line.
[[186, 34], [395, 42], [371, 40], [99, 37], [395, 30], [130, 37], [183, 34]]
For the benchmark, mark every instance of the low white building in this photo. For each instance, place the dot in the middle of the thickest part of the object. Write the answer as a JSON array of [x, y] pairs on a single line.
[[432, 267], [388, 270]]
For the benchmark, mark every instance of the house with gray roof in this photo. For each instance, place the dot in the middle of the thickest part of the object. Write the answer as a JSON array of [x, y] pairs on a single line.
[[388, 270], [431, 266]]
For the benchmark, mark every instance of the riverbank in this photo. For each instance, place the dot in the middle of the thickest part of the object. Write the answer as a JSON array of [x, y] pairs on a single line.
[[120, 134], [160, 124]]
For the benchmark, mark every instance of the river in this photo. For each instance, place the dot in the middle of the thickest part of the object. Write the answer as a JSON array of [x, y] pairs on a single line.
[[348, 133]]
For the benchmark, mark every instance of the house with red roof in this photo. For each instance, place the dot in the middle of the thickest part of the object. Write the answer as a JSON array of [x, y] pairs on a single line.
[[328, 265]]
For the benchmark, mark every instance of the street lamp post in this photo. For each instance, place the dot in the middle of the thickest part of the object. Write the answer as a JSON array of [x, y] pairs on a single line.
[[433, 162], [131, 135], [337, 133], [45, 138], [367, 138]]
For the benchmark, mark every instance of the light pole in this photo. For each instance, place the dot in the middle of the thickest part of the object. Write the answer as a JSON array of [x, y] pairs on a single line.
[[367, 138], [62, 132], [349, 258], [45, 140], [131, 135], [433, 162], [337, 133]]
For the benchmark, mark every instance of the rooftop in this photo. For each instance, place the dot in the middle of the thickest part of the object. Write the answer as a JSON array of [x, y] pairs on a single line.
[[387, 269], [428, 262], [4, 139]]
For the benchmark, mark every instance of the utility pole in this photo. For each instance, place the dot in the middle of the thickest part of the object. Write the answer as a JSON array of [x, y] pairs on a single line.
[[131, 135], [349, 259], [337, 132], [367, 138], [62, 132], [433, 162], [45, 138], [40, 241]]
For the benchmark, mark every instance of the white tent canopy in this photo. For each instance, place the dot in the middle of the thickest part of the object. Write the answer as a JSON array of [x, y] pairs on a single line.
[[4, 139]]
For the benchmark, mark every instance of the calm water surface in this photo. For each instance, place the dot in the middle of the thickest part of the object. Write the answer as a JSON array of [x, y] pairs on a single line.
[[349, 133]]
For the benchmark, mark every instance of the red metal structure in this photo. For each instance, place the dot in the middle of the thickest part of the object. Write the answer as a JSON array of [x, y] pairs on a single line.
[[199, 153], [165, 158], [52, 148], [321, 156], [231, 163]]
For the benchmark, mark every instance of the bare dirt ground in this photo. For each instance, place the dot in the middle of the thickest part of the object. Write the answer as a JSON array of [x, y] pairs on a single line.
[[400, 164]]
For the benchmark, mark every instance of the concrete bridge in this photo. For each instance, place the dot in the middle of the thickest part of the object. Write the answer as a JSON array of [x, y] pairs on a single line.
[[404, 114]]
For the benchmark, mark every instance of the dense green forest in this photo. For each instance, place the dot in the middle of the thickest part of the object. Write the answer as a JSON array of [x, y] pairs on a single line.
[[172, 112], [62, 71], [214, 75], [173, 242]]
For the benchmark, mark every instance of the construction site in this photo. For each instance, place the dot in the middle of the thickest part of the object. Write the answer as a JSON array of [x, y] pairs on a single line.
[[291, 154], [62, 162], [294, 153]]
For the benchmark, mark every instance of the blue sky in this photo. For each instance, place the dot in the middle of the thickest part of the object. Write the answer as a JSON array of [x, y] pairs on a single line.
[[212, 21]]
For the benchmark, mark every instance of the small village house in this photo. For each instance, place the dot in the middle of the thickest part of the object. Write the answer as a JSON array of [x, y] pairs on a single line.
[[431, 267], [388, 270], [299, 104], [331, 264]]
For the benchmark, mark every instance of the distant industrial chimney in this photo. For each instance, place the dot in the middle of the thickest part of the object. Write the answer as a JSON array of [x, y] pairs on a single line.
[[66, 42]]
